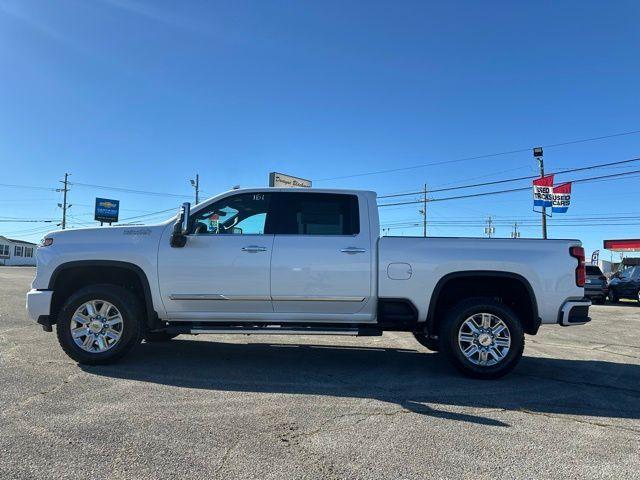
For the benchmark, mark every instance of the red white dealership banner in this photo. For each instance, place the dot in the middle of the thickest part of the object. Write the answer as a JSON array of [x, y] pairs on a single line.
[[543, 191], [561, 198]]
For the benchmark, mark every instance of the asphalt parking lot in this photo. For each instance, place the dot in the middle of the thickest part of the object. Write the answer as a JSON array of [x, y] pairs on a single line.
[[318, 407]]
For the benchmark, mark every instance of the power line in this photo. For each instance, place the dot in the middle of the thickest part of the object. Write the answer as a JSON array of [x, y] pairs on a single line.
[[511, 190], [173, 209], [129, 190], [515, 179], [478, 157], [4, 220], [32, 187]]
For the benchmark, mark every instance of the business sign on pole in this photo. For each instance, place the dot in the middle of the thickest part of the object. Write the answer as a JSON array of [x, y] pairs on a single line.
[[595, 256], [107, 210], [561, 198], [543, 191], [282, 180]]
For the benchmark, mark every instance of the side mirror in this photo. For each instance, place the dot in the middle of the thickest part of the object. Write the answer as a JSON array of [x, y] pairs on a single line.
[[181, 228], [185, 210]]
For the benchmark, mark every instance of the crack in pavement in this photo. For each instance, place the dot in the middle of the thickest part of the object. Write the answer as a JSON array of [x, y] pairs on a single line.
[[577, 420], [225, 457], [25, 401], [631, 391]]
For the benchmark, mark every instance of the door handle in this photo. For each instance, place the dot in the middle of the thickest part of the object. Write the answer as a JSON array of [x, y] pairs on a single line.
[[352, 250], [254, 249]]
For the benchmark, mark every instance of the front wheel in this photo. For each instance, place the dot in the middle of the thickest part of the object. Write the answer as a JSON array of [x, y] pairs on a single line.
[[99, 324], [613, 298], [482, 338]]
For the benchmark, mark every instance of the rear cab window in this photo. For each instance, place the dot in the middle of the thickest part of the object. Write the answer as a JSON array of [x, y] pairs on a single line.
[[592, 270], [314, 214]]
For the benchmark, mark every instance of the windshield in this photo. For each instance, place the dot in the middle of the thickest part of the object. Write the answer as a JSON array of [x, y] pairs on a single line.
[[628, 272]]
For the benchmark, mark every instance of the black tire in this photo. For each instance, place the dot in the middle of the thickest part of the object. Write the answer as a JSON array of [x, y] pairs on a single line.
[[598, 300], [613, 297], [130, 310], [157, 337], [427, 342], [450, 346]]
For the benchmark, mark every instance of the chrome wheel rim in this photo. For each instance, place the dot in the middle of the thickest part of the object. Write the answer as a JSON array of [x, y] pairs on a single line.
[[484, 339], [96, 326]]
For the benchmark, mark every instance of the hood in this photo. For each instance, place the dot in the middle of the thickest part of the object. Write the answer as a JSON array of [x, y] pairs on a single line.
[[118, 234]]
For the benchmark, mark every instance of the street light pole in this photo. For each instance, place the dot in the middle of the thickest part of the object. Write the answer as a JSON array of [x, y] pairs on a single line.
[[423, 211], [64, 205], [196, 184], [537, 154]]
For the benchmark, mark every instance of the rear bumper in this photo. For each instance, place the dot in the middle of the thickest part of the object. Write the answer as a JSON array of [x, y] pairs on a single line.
[[596, 291], [574, 312], [39, 306]]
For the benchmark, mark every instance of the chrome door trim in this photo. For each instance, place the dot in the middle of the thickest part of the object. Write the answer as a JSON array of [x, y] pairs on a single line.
[[217, 296], [300, 298], [312, 298]]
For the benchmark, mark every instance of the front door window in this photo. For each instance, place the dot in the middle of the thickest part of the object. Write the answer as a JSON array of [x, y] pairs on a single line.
[[244, 214]]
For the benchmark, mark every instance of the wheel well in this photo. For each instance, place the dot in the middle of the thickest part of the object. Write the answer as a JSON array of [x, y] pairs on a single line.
[[510, 289], [69, 279]]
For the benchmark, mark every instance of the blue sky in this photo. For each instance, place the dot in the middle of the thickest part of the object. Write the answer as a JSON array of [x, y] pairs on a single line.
[[144, 94]]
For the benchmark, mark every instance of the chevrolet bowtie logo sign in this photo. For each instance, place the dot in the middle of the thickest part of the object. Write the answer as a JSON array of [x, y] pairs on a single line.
[[107, 210]]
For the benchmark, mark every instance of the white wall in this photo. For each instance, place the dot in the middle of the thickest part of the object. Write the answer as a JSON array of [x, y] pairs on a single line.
[[13, 259]]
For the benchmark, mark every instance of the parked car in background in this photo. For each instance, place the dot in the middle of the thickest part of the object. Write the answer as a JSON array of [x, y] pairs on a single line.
[[625, 285], [596, 287]]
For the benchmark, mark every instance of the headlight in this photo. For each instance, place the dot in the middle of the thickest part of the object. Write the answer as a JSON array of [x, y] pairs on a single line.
[[45, 242]]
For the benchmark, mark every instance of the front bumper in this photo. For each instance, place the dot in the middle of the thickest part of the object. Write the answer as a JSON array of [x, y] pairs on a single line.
[[574, 312], [39, 306]]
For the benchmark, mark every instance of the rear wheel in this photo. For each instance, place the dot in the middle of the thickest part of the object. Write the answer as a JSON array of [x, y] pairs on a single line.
[[613, 298], [482, 338], [99, 324], [427, 342]]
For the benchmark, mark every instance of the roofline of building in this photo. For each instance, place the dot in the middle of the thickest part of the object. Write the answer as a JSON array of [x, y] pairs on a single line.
[[14, 240]]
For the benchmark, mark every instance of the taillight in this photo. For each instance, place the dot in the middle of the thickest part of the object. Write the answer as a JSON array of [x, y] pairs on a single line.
[[581, 274]]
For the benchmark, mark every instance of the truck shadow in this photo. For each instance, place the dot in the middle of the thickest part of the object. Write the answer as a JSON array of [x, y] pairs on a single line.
[[418, 381]]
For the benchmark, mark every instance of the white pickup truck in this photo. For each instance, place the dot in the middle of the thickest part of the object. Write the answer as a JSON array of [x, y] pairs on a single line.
[[302, 261]]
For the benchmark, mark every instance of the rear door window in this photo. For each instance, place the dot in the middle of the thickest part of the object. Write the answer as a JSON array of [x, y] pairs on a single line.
[[314, 214]]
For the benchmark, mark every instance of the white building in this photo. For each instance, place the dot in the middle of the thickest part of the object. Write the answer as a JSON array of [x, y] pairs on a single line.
[[17, 252]]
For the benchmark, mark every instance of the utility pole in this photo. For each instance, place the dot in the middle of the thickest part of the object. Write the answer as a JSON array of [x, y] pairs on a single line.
[[537, 154], [515, 233], [64, 205], [489, 230], [196, 184], [423, 211]]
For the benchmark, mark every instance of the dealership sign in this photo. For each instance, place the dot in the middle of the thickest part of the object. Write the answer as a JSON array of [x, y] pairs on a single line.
[[546, 195], [561, 198], [543, 191], [107, 210], [281, 180]]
